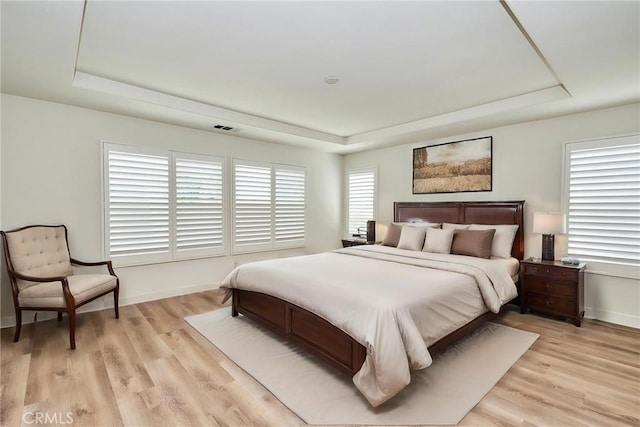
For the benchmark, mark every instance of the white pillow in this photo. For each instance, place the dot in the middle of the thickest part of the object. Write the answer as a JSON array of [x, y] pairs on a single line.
[[502, 240], [455, 226], [438, 240], [412, 238]]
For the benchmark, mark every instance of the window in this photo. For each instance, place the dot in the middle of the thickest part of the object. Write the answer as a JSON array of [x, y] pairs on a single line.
[[361, 198], [199, 212], [162, 205], [137, 203], [289, 205], [268, 206], [252, 206], [602, 196]]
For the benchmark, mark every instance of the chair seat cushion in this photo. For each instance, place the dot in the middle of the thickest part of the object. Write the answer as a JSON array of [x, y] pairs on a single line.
[[82, 286]]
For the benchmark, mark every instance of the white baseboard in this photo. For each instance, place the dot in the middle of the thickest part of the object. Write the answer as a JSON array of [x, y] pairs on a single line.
[[136, 299], [612, 317], [106, 302]]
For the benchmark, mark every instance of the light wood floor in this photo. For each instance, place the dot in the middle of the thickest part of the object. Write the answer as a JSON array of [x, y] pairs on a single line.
[[151, 368]]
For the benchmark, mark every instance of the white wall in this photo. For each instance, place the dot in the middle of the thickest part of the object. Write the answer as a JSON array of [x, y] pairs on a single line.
[[527, 165], [51, 175]]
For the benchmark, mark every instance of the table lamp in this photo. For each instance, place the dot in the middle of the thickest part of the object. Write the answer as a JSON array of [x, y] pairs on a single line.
[[549, 224], [371, 231]]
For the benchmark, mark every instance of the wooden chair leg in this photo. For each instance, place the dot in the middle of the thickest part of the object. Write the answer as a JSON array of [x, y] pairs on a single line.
[[116, 293], [59, 316], [72, 327], [16, 336]]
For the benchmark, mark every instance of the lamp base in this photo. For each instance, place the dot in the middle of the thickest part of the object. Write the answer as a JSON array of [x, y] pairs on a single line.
[[371, 231], [548, 252]]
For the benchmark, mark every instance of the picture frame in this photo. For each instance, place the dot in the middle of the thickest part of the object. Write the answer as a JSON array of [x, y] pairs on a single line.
[[454, 167]]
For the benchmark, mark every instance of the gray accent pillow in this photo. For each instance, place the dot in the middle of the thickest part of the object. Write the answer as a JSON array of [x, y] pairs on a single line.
[[412, 238], [475, 243], [502, 240], [438, 240], [392, 237]]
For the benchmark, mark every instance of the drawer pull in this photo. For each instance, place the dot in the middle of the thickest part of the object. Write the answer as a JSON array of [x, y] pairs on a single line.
[[547, 302], [547, 285], [548, 270]]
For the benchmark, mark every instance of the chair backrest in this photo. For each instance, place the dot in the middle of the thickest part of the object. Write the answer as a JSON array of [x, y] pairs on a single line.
[[38, 251]]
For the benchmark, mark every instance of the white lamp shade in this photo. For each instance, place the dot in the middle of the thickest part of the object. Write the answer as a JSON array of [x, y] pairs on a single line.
[[549, 223], [381, 231]]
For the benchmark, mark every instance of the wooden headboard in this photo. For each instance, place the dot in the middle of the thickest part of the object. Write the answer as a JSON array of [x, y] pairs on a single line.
[[492, 213]]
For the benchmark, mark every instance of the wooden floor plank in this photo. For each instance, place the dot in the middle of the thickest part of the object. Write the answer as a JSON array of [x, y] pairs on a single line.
[[13, 388], [151, 368], [142, 335], [91, 398], [50, 357], [124, 366]]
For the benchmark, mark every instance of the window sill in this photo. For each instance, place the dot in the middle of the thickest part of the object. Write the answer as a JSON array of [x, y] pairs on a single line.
[[126, 264]]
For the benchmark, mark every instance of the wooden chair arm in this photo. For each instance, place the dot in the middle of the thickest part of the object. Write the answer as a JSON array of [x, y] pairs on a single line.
[[93, 264], [37, 279], [89, 264], [62, 279]]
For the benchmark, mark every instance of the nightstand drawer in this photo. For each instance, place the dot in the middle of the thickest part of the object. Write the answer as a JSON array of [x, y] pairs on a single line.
[[551, 286], [555, 304], [555, 272]]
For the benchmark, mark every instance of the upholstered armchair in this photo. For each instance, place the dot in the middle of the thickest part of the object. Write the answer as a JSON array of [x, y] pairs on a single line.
[[42, 279]]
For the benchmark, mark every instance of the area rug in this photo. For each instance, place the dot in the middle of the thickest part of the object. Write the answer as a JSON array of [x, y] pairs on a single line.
[[441, 394]]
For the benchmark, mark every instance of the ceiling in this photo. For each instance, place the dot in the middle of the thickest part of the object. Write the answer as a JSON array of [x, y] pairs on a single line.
[[408, 71]]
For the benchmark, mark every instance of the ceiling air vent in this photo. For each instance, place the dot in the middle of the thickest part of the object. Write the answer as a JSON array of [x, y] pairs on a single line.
[[225, 128]]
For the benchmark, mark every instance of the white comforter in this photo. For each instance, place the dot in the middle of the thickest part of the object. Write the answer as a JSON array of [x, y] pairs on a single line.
[[394, 302]]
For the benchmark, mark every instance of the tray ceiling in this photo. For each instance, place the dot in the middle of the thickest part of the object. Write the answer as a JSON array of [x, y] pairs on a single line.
[[407, 70]]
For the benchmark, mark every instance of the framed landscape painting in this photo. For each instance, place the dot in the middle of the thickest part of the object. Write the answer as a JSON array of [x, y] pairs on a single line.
[[453, 167]]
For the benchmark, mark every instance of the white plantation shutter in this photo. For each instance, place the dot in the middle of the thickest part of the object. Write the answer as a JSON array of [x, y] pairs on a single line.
[[604, 200], [252, 213], [137, 201], [199, 208], [289, 205], [268, 206], [361, 198], [161, 205]]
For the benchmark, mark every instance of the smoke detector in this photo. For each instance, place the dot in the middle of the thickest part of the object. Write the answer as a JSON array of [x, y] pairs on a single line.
[[331, 80]]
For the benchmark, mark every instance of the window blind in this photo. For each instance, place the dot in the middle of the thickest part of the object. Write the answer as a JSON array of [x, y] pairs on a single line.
[[252, 206], [289, 205], [361, 199], [269, 205], [604, 201], [162, 205], [199, 204], [138, 204]]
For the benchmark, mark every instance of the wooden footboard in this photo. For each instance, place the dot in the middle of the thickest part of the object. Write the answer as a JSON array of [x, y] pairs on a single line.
[[319, 336], [302, 327]]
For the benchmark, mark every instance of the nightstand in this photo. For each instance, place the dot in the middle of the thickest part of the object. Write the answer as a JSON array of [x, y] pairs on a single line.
[[354, 241], [553, 288]]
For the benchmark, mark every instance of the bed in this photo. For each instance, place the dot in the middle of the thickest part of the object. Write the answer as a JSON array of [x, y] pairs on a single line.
[[370, 353]]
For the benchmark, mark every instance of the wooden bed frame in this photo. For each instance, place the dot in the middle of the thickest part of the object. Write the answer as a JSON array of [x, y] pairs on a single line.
[[337, 347]]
